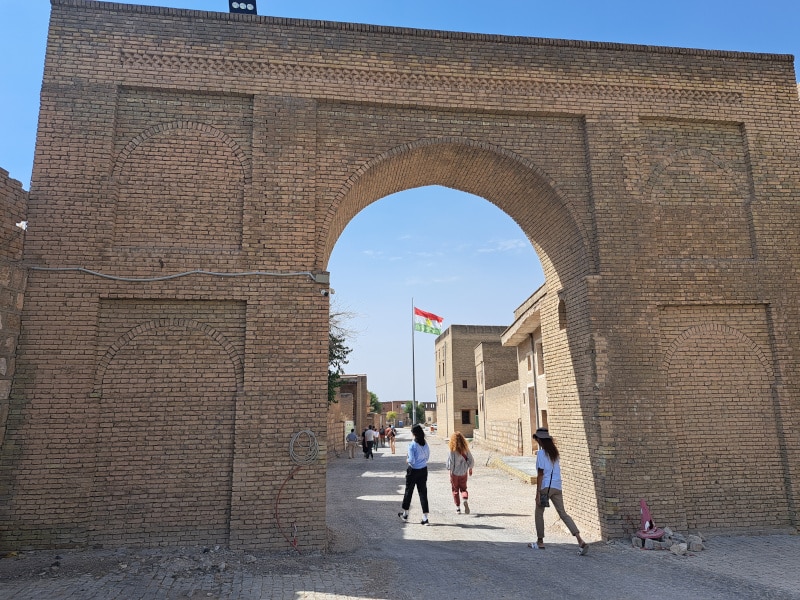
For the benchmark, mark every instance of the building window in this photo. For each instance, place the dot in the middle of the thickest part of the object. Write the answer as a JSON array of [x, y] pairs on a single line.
[[463, 383], [530, 362], [464, 416]]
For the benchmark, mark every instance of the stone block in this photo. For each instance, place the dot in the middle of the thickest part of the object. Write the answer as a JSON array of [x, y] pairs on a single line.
[[678, 549]]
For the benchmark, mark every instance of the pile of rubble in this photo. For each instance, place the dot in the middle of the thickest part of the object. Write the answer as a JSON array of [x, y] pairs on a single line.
[[672, 541]]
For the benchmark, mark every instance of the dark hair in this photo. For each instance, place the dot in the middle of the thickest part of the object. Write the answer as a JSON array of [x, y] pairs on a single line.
[[549, 447], [419, 435]]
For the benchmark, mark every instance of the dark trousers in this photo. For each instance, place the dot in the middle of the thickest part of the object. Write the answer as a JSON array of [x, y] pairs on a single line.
[[416, 478]]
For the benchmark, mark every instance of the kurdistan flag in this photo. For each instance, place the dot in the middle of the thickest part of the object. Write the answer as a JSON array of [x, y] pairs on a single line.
[[427, 322]]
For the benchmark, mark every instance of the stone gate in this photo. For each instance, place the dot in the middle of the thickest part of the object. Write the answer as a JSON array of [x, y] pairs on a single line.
[[194, 170]]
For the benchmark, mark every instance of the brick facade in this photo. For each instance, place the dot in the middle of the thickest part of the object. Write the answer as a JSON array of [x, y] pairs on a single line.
[[659, 187], [524, 336], [456, 380], [350, 407], [498, 425]]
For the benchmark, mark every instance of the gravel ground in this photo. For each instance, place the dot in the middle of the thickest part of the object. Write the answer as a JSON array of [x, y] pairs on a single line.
[[372, 554]]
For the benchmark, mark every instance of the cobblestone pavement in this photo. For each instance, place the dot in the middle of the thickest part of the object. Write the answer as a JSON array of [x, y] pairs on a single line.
[[374, 555]]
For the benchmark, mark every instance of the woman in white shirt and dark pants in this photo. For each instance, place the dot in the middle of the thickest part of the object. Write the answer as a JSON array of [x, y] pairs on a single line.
[[419, 451], [548, 482]]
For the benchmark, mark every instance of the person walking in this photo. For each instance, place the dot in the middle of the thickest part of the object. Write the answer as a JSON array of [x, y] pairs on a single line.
[[382, 436], [459, 462], [369, 435], [419, 452], [390, 435], [548, 490], [352, 442]]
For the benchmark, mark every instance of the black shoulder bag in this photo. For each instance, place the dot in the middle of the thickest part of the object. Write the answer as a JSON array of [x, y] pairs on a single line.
[[544, 499]]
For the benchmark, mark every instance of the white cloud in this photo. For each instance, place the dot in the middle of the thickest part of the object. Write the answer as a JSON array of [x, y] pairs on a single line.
[[511, 245]]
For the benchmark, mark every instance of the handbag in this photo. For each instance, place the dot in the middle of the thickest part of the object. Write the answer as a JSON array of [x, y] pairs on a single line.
[[544, 499]]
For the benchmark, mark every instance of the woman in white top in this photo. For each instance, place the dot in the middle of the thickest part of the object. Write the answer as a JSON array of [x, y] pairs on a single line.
[[548, 483]]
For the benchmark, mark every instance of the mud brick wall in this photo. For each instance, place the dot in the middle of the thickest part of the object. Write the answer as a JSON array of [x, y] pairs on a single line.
[[194, 170], [456, 378], [13, 207]]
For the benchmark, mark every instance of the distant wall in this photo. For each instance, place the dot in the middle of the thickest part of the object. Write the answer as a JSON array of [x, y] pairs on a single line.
[[501, 428], [339, 413], [13, 208]]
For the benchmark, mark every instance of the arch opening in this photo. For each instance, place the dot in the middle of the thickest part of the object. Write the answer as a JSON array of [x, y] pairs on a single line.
[[546, 219]]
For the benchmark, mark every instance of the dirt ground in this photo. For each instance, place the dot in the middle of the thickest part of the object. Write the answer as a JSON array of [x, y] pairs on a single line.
[[372, 554]]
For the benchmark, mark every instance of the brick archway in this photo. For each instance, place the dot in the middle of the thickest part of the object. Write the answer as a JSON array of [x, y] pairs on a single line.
[[511, 182], [657, 185]]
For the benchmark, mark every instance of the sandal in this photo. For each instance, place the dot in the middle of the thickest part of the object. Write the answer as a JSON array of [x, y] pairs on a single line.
[[583, 549], [536, 546]]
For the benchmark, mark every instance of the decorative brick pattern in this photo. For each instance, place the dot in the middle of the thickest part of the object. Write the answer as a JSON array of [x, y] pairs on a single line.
[[156, 61]]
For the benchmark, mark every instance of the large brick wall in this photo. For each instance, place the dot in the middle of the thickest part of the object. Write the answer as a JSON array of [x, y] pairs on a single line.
[[659, 187]]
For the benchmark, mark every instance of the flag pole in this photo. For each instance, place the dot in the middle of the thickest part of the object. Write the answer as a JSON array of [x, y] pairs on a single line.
[[413, 372]]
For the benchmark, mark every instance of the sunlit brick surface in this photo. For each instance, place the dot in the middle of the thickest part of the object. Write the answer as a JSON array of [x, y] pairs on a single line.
[[659, 187]]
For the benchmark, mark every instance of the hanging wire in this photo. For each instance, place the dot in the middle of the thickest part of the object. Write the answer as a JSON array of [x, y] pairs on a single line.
[[304, 448], [174, 275]]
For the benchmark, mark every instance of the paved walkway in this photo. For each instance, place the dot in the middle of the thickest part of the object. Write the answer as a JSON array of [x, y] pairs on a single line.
[[376, 556]]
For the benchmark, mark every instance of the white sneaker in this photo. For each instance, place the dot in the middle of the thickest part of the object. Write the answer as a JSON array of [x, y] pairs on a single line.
[[458, 510]]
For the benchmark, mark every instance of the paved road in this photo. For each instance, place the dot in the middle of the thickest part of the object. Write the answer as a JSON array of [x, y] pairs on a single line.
[[376, 556]]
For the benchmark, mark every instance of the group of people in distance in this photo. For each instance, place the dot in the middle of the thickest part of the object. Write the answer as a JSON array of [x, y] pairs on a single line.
[[460, 463], [370, 438]]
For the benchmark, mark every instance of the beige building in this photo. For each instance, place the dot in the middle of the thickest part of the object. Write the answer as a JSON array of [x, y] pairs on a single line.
[[396, 406], [430, 412], [399, 406], [499, 423], [512, 385], [349, 411], [456, 382], [525, 336]]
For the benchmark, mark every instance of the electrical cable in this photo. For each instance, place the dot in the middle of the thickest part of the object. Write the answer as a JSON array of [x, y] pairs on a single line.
[[309, 274], [304, 450], [292, 542], [307, 450]]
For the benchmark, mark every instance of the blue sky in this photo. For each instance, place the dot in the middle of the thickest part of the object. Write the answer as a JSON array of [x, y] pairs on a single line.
[[453, 261]]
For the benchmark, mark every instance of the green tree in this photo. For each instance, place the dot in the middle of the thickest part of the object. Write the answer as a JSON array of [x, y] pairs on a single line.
[[391, 416], [408, 408], [338, 351], [375, 404]]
